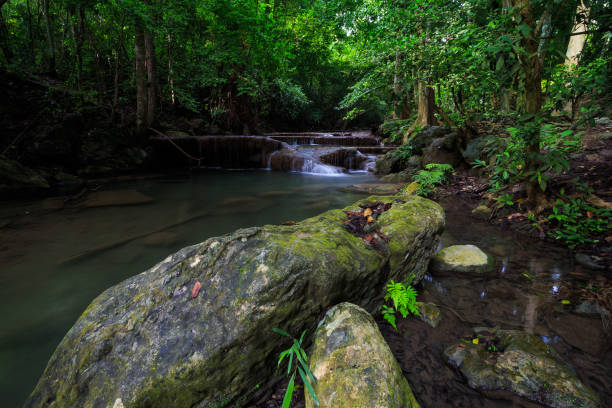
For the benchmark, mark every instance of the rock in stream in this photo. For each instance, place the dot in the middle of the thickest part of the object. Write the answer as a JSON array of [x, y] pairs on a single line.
[[195, 330]]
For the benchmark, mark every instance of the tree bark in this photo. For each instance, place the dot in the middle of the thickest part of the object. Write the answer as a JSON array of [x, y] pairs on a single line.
[[170, 70], [4, 37], [532, 71], [426, 107], [576, 41], [141, 81], [50, 41], [151, 77]]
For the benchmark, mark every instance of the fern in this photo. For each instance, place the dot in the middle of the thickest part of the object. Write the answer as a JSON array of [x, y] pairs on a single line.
[[403, 298], [436, 174]]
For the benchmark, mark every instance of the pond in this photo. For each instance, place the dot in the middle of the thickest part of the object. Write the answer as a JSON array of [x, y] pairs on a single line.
[[53, 262]]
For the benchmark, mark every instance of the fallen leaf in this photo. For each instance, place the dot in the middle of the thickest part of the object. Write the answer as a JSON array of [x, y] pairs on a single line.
[[370, 219], [196, 289], [289, 223], [475, 341], [565, 302], [367, 212], [590, 214]]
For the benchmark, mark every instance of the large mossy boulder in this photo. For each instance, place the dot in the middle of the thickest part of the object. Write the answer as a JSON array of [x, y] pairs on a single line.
[[196, 329], [353, 364], [523, 364], [461, 258]]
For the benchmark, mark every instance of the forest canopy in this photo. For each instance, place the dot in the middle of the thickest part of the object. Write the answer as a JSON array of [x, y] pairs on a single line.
[[247, 65]]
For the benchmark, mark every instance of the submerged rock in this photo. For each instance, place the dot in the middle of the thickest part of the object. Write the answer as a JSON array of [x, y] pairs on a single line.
[[461, 258], [482, 212], [429, 313], [353, 364], [526, 366], [196, 329], [115, 198]]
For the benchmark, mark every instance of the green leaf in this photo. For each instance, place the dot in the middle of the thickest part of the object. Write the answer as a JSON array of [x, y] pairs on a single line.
[[289, 392], [308, 386], [281, 332]]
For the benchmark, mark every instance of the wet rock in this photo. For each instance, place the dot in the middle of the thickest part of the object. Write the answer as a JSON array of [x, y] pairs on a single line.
[[378, 189], [482, 212], [391, 162], [426, 136], [348, 158], [588, 308], [15, 177], [443, 150], [176, 133], [114, 198], [590, 338], [603, 121], [526, 366], [429, 313], [404, 176], [590, 261], [473, 150], [461, 258], [149, 343], [353, 364]]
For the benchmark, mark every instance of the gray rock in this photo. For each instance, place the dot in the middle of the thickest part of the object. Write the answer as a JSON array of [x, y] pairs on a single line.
[[603, 121], [473, 150], [590, 261], [426, 136], [443, 150], [482, 212], [429, 313], [353, 364], [151, 343], [461, 258], [527, 367], [16, 177]]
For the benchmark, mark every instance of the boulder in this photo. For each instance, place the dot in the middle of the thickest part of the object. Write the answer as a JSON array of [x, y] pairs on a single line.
[[461, 258], [353, 365], [196, 329], [473, 150], [391, 162], [15, 177], [443, 150], [524, 365], [426, 136], [381, 189], [404, 176]]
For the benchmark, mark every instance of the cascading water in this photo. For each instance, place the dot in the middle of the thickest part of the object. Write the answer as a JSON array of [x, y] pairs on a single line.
[[312, 153]]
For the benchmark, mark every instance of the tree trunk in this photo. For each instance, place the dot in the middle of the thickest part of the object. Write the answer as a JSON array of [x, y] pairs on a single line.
[[170, 70], [4, 38], [151, 77], [532, 71], [77, 35], [116, 76], [426, 107], [50, 41], [576, 42], [141, 82], [396, 87]]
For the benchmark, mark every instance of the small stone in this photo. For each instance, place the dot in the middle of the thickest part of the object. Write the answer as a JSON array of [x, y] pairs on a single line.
[[589, 308], [461, 258], [482, 212], [589, 261], [429, 313]]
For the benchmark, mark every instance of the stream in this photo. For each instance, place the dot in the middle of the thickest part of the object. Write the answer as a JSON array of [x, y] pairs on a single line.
[[53, 262]]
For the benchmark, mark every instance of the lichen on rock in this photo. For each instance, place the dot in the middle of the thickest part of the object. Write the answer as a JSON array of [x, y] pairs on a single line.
[[353, 364], [461, 258], [527, 367], [154, 341]]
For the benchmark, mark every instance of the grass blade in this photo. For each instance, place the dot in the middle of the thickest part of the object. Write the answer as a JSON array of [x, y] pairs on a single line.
[[289, 392], [308, 386]]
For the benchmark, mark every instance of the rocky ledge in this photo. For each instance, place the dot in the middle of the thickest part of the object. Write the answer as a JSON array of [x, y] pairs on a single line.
[[196, 329]]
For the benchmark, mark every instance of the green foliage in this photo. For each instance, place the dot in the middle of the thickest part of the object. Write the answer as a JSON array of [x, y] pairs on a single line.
[[434, 175], [577, 222], [506, 199], [513, 154], [404, 151], [298, 362], [403, 297]]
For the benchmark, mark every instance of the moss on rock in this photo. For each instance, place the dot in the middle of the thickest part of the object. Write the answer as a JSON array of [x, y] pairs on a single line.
[[353, 364], [147, 342]]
